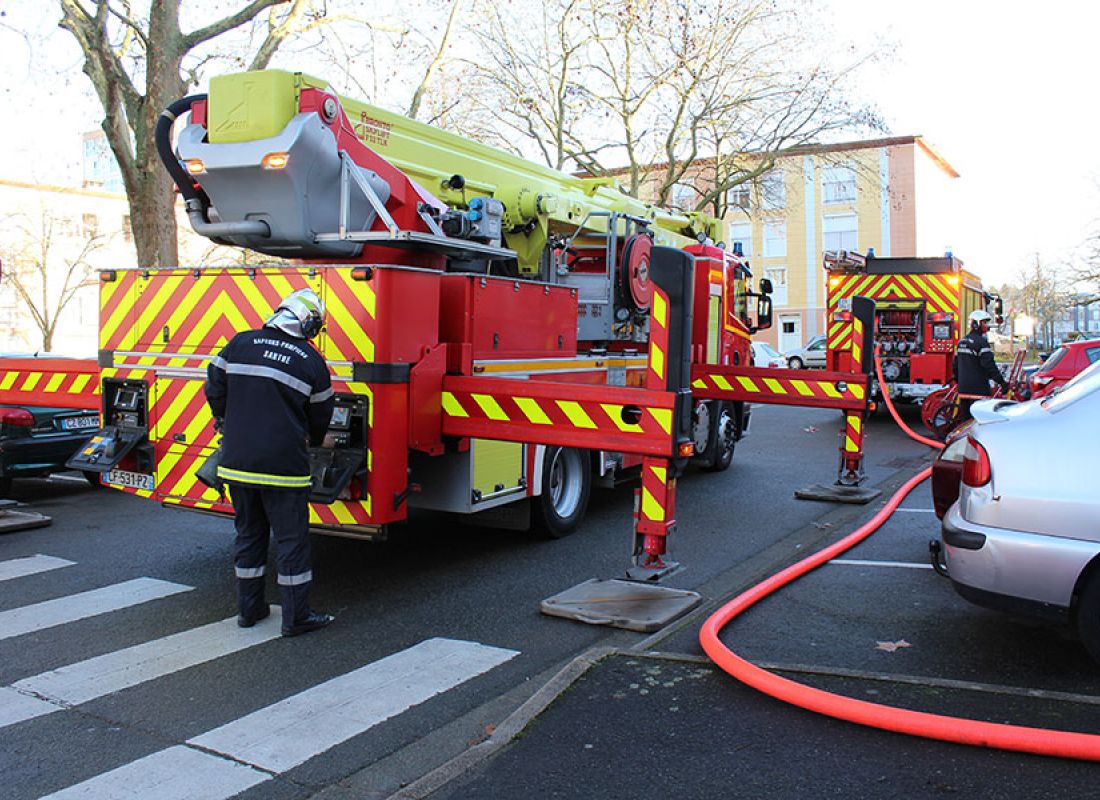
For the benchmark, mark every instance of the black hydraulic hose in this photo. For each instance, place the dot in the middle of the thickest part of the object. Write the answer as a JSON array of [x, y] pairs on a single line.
[[195, 199], [163, 138]]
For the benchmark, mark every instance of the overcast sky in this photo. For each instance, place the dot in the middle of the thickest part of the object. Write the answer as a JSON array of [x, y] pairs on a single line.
[[1003, 90]]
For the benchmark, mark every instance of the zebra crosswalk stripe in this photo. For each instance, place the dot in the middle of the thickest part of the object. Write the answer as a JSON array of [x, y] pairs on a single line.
[[96, 677], [286, 734], [31, 565], [178, 773], [71, 608]]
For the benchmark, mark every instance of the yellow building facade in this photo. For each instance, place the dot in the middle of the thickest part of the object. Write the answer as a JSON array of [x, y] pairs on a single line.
[[893, 196]]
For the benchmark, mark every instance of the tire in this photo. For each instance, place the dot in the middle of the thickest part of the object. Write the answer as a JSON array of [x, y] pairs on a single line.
[[566, 486], [723, 439], [1088, 615], [795, 363], [92, 478]]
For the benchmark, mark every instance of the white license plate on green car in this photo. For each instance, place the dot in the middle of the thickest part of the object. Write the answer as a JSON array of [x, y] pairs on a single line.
[[80, 423], [129, 480]]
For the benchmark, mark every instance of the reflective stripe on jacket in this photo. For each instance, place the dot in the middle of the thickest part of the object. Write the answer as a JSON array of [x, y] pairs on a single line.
[[275, 395]]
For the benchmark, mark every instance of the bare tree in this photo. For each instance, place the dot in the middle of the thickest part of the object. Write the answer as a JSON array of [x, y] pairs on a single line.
[[1041, 294], [46, 264], [140, 64], [525, 90], [657, 88]]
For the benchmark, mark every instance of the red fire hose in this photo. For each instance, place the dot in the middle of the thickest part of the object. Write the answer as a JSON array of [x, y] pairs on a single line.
[[1039, 741]]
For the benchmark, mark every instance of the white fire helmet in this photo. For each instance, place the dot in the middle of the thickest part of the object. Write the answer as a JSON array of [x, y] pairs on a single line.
[[978, 317], [301, 314]]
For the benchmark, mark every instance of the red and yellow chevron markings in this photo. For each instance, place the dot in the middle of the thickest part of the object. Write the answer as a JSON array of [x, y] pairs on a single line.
[[571, 415], [941, 292], [843, 390], [656, 499], [658, 340], [58, 382]]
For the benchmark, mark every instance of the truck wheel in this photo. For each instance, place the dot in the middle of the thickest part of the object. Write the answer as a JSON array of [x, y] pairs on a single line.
[[723, 438], [566, 484], [1088, 616]]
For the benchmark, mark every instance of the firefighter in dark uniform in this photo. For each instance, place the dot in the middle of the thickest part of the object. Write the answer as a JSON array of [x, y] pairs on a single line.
[[974, 366], [272, 389]]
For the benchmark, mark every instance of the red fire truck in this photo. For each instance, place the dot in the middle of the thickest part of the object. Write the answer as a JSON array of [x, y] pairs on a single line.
[[921, 311], [500, 335]]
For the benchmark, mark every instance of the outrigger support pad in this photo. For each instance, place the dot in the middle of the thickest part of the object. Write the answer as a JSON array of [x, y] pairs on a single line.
[[838, 493]]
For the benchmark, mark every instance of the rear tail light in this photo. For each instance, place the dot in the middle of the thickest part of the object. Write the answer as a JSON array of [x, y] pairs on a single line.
[[976, 470], [17, 417]]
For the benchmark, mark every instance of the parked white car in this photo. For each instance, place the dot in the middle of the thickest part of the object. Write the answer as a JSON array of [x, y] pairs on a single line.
[[1024, 535], [812, 356], [764, 355]]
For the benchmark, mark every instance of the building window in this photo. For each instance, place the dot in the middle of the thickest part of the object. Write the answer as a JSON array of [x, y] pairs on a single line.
[[741, 233], [838, 184], [739, 196], [778, 277], [775, 239], [839, 232], [788, 326], [683, 196], [773, 190], [89, 225], [67, 227], [127, 229]]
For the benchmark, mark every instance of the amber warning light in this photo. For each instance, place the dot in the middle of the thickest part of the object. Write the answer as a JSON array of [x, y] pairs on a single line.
[[275, 160]]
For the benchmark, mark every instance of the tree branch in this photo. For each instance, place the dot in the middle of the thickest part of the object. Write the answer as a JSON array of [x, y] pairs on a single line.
[[245, 15]]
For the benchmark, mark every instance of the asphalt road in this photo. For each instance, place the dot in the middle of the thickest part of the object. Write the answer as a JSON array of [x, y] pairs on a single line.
[[438, 635]]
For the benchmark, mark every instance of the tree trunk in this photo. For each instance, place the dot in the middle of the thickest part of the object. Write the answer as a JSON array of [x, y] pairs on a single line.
[[153, 216]]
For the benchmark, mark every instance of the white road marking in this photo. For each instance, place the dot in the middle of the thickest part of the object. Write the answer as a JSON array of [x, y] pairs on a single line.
[[51, 613], [178, 773], [854, 562], [31, 565], [288, 733], [294, 730], [96, 677], [16, 707]]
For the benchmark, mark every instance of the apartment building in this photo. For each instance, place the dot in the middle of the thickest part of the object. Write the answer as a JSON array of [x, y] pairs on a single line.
[[893, 195]]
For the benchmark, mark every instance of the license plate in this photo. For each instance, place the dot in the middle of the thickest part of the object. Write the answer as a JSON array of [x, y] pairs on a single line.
[[79, 423], [130, 480]]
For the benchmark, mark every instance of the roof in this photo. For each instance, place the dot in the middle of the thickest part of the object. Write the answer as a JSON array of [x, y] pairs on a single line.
[[45, 187], [838, 147]]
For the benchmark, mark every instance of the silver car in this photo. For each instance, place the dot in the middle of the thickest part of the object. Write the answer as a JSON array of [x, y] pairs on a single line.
[[811, 356], [1024, 535]]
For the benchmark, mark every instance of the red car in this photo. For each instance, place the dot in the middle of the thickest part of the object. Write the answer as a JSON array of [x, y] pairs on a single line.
[[1063, 364]]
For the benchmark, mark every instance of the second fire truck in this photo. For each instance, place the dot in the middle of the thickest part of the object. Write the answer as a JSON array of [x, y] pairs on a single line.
[[921, 311]]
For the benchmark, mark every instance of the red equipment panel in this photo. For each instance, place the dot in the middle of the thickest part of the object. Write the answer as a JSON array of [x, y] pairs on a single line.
[[507, 318], [930, 368]]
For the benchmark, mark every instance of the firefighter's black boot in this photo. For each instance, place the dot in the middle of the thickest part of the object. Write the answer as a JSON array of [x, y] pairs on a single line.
[[251, 605], [297, 616]]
